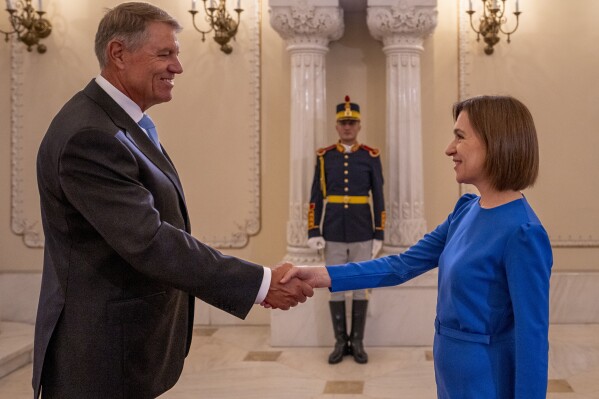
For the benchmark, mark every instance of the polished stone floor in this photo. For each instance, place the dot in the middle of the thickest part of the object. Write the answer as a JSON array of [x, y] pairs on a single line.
[[238, 362]]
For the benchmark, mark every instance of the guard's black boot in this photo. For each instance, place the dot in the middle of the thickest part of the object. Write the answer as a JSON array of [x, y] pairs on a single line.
[[340, 330], [358, 322]]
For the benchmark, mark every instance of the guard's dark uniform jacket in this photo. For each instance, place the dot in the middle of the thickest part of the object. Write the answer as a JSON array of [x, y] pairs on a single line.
[[345, 180]]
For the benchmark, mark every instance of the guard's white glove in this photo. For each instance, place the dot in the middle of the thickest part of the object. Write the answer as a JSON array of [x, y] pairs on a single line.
[[376, 247], [316, 243]]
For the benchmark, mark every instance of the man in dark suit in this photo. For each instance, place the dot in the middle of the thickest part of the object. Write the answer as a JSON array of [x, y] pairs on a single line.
[[121, 268], [348, 176]]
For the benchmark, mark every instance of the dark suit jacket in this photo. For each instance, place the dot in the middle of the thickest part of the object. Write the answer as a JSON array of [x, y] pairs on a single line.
[[121, 269]]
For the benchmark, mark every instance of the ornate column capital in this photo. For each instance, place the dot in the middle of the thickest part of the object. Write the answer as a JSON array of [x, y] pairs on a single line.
[[307, 24], [401, 23]]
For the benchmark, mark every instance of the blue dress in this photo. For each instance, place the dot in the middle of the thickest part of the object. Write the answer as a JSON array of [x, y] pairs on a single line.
[[493, 298]]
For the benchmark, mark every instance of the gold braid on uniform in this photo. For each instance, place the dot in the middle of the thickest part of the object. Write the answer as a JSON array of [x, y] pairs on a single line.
[[383, 221], [311, 224], [323, 186], [323, 182]]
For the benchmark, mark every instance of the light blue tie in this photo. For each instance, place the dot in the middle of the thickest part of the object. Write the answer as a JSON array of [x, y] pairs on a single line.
[[148, 125]]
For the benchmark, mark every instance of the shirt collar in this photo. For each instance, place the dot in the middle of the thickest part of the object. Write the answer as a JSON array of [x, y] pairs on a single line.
[[344, 148], [127, 104]]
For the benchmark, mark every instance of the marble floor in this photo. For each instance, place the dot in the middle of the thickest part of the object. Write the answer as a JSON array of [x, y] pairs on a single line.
[[238, 362]]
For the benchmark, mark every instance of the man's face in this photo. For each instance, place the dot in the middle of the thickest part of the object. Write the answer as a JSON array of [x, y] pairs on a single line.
[[149, 71], [348, 130]]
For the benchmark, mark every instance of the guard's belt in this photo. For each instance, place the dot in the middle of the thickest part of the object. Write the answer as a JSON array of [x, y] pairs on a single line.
[[347, 199]]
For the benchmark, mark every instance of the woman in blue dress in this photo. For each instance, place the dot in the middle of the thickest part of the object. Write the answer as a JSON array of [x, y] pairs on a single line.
[[494, 259]]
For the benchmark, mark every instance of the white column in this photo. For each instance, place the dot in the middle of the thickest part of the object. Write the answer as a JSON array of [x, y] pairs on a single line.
[[307, 27], [402, 26]]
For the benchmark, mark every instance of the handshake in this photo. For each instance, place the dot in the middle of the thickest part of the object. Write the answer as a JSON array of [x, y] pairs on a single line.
[[290, 285]]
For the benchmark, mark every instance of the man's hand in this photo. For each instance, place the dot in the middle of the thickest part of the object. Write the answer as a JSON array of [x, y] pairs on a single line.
[[316, 243], [315, 276], [286, 295]]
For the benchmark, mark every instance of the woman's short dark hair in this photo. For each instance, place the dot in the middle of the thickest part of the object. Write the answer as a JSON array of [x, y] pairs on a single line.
[[506, 127], [127, 22]]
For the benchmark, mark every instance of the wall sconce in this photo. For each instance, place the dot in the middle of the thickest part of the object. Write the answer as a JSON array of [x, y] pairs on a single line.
[[29, 25], [220, 21], [491, 21]]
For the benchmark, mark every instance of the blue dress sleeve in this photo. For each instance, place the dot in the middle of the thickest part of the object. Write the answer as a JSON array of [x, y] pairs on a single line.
[[396, 269], [528, 261], [393, 269]]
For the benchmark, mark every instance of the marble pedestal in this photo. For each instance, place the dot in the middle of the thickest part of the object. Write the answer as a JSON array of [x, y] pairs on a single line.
[[573, 298], [19, 293], [16, 346], [397, 316]]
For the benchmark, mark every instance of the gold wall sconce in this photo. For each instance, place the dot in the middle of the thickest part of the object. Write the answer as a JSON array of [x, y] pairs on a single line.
[[28, 24], [490, 23], [220, 21]]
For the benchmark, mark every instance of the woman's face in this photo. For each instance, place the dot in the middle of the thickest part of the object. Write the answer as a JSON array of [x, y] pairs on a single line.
[[468, 152]]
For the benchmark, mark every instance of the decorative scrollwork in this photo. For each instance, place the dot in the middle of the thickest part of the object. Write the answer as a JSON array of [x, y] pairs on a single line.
[[405, 224], [30, 231], [304, 21], [385, 23]]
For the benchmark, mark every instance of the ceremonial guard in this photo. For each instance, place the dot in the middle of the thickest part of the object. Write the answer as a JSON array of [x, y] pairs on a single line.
[[349, 179]]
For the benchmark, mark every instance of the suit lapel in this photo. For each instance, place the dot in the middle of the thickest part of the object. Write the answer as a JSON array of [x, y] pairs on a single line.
[[132, 130]]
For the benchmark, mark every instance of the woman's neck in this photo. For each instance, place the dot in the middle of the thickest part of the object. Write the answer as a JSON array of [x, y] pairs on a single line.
[[494, 198]]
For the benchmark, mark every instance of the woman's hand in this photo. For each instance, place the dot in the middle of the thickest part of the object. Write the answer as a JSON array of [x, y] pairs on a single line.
[[316, 276]]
